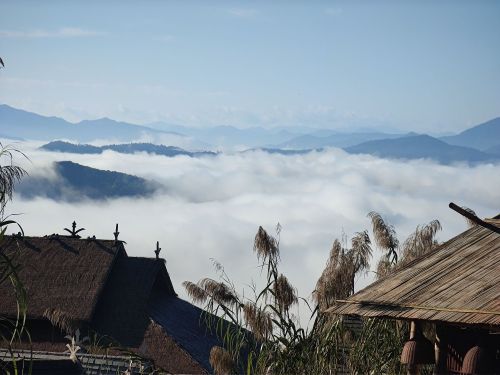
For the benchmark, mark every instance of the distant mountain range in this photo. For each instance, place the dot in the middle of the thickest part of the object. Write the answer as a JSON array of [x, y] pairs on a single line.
[[493, 150], [16, 123], [75, 182], [478, 144], [482, 137], [421, 147], [130, 148], [226, 136], [341, 140]]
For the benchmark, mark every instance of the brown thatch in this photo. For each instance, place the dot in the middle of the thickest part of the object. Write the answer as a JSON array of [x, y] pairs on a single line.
[[459, 282], [93, 284], [122, 312], [167, 353], [59, 273]]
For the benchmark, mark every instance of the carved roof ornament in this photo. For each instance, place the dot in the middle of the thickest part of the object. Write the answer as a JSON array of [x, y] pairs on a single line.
[[74, 232]]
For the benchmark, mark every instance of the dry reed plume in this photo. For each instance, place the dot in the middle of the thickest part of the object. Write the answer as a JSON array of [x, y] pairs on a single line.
[[284, 293], [265, 246], [221, 361], [259, 321]]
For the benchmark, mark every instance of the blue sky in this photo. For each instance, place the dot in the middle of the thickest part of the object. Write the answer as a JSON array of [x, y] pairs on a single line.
[[424, 66]]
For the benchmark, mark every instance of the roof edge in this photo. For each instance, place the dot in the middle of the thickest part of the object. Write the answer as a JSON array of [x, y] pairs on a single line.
[[121, 250], [411, 306]]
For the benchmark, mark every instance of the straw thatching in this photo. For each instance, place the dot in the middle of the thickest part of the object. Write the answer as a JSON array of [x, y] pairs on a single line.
[[59, 273], [459, 283], [130, 301], [167, 353], [124, 301]]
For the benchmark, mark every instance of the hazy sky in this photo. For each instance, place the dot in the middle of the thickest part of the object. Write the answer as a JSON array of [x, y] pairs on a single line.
[[418, 65]]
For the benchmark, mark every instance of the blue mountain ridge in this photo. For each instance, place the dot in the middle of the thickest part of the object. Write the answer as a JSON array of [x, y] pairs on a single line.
[[421, 147], [23, 124], [482, 137]]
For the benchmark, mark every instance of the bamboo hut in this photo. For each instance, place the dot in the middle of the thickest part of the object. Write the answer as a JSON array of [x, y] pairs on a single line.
[[94, 286], [456, 288]]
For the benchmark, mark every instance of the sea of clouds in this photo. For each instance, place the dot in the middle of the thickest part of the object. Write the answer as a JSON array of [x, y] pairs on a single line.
[[211, 207]]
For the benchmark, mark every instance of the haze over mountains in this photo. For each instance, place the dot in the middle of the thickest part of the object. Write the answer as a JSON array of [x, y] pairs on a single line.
[[421, 147], [28, 125], [482, 137], [478, 144], [206, 207]]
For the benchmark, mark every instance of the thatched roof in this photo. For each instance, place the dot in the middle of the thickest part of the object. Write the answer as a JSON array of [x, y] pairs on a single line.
[[168, 354], [187, 326], [122, 312], [130, 300], [58, 272], [457, 283]]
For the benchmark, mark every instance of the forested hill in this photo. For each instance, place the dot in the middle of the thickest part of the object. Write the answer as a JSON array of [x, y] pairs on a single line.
[[74, 182], [127, 148]]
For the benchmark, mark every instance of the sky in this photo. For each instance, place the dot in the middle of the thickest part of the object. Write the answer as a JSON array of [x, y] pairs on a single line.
[[422, 66]]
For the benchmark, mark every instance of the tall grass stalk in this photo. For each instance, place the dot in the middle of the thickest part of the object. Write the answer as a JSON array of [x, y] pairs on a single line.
[[262, 335]]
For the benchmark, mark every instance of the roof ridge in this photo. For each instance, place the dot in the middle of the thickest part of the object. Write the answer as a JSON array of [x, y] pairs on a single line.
[[100, 291], [418, 307], [57, 235]]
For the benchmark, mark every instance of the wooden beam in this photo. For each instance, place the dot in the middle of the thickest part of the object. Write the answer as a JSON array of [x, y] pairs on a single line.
[[474, 218]]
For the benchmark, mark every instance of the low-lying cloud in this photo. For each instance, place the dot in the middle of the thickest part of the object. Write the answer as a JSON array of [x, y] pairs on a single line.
[[211, 207]]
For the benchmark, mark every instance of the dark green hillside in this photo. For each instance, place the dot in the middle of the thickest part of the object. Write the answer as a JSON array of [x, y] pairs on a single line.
[[61, 146], [76, 182], [127, 148]]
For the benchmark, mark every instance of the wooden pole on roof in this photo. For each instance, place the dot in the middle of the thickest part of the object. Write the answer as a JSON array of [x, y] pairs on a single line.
[[474, 218], [158, 249], [116, 233]]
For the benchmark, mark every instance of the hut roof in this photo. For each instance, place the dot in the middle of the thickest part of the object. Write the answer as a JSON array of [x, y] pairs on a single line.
[[130, 300], [124, 301], [187, 326], [58, 272], [458, 283]]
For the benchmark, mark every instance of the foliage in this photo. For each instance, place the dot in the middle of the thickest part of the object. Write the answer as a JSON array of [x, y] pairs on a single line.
[[419, 243], [10, 174], [11, 330], [264, 335]]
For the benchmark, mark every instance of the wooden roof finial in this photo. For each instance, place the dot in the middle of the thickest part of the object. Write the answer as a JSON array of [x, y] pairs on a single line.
[[116, 233], [73, 231], [158, 249]]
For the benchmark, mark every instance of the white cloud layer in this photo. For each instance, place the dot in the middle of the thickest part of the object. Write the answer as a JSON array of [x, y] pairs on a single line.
[[212, 207]]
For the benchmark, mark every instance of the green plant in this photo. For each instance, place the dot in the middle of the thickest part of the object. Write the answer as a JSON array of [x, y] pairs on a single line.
[[11, 330], [275, 342]]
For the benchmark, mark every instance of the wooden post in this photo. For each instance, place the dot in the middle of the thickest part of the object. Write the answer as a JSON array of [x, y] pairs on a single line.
[[440, 350], [413, 368]]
